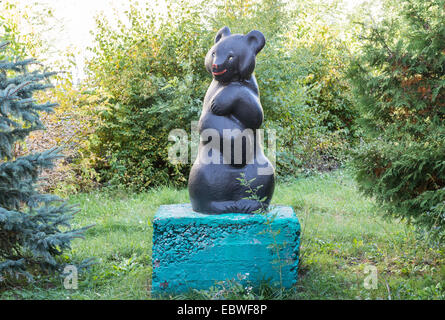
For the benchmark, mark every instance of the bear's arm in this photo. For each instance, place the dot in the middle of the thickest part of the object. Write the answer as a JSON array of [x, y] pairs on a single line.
[[224, 101], [242, 103], [248, 110]]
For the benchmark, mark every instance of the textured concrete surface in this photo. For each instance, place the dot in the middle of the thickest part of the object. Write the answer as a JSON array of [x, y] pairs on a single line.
[[195, 251]]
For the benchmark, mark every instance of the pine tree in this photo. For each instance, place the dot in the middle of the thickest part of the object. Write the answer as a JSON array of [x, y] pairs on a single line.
[[34, 227], [399, 80]]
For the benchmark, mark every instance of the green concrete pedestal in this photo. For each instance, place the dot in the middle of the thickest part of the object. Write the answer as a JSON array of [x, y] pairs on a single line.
[[196, 251]]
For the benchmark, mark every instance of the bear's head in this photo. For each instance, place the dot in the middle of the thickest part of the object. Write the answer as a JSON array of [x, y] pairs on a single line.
[[232, 57]]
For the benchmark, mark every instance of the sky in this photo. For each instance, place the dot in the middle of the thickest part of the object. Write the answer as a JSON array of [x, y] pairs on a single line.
[[76, 20]]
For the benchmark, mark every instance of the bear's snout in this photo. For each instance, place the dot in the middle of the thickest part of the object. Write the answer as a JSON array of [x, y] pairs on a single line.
[[215, 71]]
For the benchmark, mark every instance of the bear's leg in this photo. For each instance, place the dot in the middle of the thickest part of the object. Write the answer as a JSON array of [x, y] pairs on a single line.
[[239, 206]]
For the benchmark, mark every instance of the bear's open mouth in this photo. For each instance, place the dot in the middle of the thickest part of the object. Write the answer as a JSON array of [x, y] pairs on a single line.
[[219, 73]]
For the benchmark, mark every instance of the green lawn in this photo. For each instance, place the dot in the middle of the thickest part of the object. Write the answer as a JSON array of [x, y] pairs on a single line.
[[342, 233]]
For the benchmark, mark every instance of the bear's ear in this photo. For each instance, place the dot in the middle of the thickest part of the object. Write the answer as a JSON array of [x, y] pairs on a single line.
[[223, 32], [256, 39]]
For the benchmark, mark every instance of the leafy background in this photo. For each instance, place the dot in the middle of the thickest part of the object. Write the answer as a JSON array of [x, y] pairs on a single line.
[[343, 89]]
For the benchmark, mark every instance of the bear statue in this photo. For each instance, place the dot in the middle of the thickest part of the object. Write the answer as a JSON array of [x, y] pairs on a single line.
[[228, 128]]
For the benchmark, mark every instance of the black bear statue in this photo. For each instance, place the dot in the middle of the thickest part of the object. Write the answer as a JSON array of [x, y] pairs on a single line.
[[230, 146]]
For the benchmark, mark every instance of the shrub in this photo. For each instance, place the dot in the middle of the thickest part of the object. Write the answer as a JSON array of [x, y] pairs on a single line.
[[34, 227], [28, 29], [153, 79], [399, 83], [151, 72], [68, 126]]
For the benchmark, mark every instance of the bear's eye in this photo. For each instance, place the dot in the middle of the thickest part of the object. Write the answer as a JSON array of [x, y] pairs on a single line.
[[213, 54]]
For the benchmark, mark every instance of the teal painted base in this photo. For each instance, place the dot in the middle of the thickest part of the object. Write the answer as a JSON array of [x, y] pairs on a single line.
[[195, 251]]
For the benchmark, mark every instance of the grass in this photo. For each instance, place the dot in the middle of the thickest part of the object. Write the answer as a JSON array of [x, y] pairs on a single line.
[[342, 234]]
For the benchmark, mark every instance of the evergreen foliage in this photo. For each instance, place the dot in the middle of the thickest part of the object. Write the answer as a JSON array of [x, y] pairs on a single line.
[[152, 77], [399, 81], [34, 227]]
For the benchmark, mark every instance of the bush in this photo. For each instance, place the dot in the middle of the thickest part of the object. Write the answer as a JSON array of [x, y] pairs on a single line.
[[151, 72], [305, 93], [152, 76], [34, 227], [399, 82], [27, 28]]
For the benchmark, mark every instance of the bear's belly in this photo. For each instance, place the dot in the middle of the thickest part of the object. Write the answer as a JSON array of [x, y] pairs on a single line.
[[210, 120], [210, 184]]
